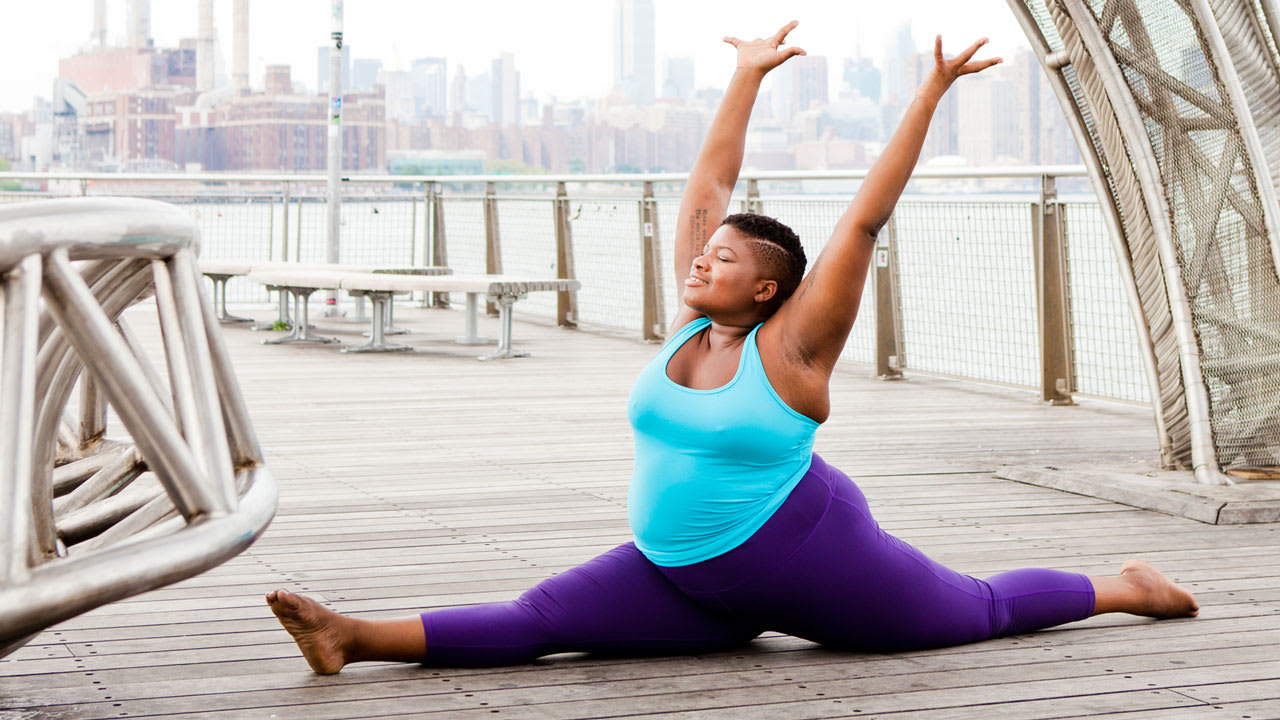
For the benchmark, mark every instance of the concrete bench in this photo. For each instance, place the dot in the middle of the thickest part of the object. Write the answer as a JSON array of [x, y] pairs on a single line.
[[504, 290], [220, 271]]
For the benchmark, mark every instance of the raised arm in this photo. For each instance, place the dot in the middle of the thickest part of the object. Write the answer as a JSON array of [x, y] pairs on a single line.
[[706, 193], [815, 322]]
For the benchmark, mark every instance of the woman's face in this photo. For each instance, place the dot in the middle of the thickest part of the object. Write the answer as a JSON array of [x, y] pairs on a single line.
[[725, 278]]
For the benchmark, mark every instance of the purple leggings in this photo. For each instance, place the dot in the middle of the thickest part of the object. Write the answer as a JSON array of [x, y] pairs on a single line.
[[821, 569]]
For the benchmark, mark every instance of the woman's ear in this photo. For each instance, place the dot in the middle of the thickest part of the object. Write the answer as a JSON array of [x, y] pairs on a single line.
[[766, 290]]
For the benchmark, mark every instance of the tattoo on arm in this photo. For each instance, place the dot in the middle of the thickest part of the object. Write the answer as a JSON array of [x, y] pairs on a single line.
[[697, 230], [808, 279]]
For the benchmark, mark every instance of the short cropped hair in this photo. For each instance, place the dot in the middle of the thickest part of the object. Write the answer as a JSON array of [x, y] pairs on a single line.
[[777, 247]]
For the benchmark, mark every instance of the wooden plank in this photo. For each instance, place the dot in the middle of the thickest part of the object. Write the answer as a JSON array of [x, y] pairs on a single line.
[[431, 480]]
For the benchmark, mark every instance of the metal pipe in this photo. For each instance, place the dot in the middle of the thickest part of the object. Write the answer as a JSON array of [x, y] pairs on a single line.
[[212, 447], [243, 443], [62, 590], [17, 415], [141, 411]]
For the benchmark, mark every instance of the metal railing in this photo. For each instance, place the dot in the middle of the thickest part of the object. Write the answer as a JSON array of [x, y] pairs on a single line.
[[976, 263], [86, 519]]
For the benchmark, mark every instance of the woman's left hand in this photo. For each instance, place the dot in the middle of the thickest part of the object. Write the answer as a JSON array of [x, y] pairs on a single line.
[[945, 71]]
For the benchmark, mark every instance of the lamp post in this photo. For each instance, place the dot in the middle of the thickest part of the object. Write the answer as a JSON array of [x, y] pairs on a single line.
[[332, 239]]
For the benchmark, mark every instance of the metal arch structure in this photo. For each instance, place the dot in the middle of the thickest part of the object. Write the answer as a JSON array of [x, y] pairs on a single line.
[[1175, 105], [86, 520]]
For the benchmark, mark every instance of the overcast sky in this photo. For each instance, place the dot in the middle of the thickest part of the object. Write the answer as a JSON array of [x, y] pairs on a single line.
[[562, 47]]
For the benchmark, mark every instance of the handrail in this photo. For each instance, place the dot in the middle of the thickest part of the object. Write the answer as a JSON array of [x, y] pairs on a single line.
[[921, 173]]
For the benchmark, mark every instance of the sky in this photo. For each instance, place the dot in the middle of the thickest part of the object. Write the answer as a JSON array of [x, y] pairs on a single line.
[[562, 48]]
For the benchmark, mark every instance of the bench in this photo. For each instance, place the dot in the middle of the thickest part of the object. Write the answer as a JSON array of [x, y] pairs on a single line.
[[379, 287], [220, 271]]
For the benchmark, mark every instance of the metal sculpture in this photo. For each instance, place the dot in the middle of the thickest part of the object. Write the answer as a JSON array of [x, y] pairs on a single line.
[[86, 520], [1175, 105]]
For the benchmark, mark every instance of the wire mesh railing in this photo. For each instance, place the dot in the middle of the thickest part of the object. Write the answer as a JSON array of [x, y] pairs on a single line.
[[964, 280]]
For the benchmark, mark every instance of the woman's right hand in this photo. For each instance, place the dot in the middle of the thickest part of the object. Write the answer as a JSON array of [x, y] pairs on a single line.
[[763, 54]]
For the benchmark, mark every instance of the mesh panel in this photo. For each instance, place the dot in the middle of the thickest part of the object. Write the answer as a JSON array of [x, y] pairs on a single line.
[[528, 232], [967, 279], [464, 234], [1216, 223], [606, 250], [1106, 351]]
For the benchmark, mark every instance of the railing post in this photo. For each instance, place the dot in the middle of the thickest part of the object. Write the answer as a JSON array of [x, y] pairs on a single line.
[[1057, 370], [753, 204], [492, 240], [284, 236], [566, 302], [297, 234], [654, 325], [889, 350], [435, 250], [413, 228], [271, 223]]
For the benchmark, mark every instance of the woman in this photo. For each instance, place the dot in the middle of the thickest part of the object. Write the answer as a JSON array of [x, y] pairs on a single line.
[[739, 527]]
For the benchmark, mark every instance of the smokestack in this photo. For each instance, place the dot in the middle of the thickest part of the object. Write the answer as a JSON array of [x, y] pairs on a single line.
[[99, 38], [139, 23], [204, 46], [240, 45]]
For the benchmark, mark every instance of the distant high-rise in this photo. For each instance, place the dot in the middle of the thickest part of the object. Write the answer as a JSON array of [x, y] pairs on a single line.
[[430, 86], [505, 90], [364, 73], [800, 83], [988, 119], [322, 68], [633, 52], [897, 91], [458, 91], [480, 94], [861, 75], [679, 82]]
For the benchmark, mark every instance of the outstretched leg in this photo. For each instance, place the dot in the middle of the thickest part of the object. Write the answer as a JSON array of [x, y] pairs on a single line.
[[822, 568], [618, 603]]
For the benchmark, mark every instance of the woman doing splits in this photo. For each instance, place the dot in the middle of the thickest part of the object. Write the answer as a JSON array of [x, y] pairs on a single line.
[[739, 527]]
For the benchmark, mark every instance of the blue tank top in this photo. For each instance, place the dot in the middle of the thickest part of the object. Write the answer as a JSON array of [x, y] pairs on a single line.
[[711, 466]]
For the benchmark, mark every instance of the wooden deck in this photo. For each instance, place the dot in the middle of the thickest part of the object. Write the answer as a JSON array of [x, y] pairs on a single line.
[[429, 480]]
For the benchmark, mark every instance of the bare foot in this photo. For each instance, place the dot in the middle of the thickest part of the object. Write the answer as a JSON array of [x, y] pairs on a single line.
[[1157, 596], [318, 630]]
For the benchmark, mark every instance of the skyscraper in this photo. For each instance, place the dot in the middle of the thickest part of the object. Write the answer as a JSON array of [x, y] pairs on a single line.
[[633, 54], [798, 84], [430, 86], [679, 82], [364, 73], [897, 89], [506, 90]]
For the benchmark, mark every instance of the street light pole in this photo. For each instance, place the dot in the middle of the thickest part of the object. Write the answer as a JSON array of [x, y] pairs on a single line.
[[332, 239]]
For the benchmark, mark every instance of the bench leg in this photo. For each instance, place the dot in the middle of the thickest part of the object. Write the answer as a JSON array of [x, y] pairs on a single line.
[[301, 328], [377, 340], [472, 338], [391, 318], [220, 300], [505, 304], [389, 326], [282, 321]]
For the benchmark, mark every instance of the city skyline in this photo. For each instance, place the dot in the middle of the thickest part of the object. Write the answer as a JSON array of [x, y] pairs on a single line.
[[540, 55]]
